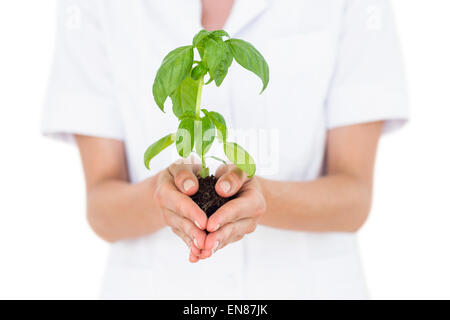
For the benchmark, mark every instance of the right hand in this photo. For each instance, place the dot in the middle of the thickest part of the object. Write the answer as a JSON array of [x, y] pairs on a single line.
[[174, 187]]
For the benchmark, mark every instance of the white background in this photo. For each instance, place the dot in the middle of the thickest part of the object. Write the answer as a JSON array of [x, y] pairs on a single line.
[[48, 251]]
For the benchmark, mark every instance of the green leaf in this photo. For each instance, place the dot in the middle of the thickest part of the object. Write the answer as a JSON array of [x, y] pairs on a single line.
[[205, 133], [241, 158], [203, 34], [184, 97], [157, 147], [219, 122], [209, 134], [218, 159], [199, 37], [201, 50], [218, 58], [250, 58], [185, 137], [199, 71], [211, 79], [175, 67], [187, 115], [199, 43], [219, 34], [216, 54]]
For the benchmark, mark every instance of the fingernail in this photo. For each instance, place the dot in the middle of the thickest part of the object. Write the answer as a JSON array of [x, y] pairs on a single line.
[[188, 184], [196, 224], [225, 186], [196, 243], [215, 247], [216, 228]]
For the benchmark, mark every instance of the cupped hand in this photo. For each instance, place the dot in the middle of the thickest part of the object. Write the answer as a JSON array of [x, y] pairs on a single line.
[[175, 185], [237, 217]]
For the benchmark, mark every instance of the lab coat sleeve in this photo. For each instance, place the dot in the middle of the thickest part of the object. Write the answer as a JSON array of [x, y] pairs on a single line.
[[368, 82], [80, 96]]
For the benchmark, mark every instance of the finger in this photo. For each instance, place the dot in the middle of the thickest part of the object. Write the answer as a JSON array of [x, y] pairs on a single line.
[[222, 169], [195, 251], [228, 234], [183, 237], [196, 235], [231, 182], [183, 173], [248, 205], [193, 259], [168, 196], [205, 254], [208, 253]]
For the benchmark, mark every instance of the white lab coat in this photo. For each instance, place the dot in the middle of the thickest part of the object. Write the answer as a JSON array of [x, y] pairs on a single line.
[[332, 63]]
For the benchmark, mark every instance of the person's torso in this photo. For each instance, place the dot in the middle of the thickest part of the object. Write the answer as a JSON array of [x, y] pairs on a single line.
[[283, 128]]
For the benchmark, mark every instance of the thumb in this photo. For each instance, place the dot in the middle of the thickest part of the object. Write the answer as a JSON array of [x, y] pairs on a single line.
[[184, 177], [230, 182]]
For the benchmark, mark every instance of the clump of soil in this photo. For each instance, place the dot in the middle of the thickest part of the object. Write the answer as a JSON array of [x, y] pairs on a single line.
[[207, 198]]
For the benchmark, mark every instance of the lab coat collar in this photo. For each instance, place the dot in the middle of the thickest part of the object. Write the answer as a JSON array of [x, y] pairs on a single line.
[[243, 12]]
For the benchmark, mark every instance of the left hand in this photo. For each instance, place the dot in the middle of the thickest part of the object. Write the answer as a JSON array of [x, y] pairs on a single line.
[[237, 217]]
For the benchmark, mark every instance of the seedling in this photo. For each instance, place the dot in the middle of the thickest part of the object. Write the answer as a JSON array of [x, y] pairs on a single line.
[[182, 78]]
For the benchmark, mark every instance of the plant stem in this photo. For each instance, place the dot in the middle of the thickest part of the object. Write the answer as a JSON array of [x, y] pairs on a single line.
[[199, 97], [205, 171]]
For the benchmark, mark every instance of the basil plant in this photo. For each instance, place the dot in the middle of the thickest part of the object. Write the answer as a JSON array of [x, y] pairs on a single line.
[[182, 78]]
